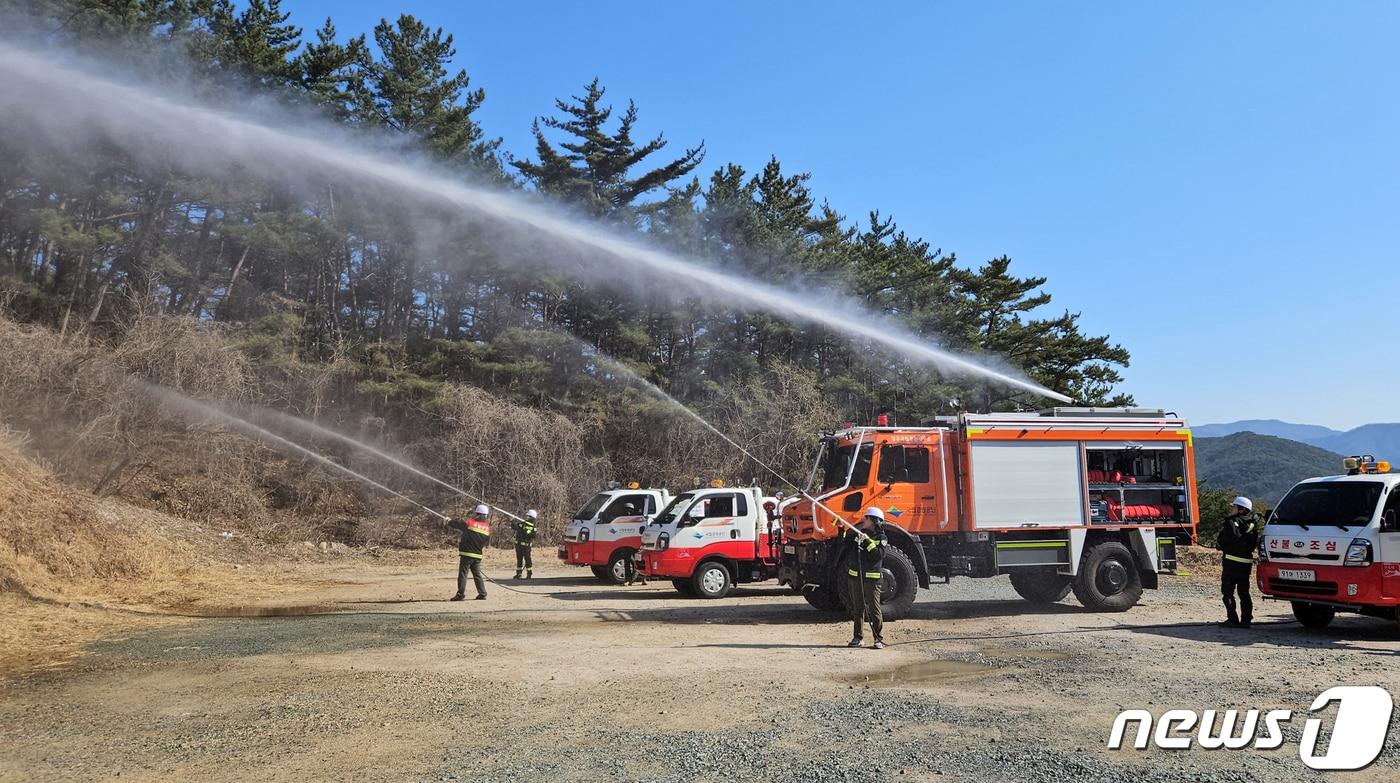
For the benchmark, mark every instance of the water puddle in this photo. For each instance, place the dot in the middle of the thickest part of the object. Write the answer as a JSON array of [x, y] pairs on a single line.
[[921, 673], [945, 670]]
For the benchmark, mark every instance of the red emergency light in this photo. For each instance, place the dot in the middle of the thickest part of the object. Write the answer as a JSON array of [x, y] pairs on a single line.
[[883, 420]]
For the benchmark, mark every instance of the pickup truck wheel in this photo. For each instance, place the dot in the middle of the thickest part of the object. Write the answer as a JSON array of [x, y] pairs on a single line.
[[683, 586], [1040, 585], [1108, 580], [1313, 615], [601, 572], [620, 566], [823, 598], [711, 580]]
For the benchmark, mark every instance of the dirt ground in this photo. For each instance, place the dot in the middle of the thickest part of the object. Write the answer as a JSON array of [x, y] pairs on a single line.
[[365, 673]]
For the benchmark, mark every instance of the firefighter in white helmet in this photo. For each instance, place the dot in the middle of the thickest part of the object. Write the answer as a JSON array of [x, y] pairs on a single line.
[[524, 543], [1239, 537], [863, 553], [476, 533]]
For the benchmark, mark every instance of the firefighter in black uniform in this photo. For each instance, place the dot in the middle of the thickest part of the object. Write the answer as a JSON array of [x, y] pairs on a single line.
[[524, 543], [476, 533], [863, 551], [1238, 539]]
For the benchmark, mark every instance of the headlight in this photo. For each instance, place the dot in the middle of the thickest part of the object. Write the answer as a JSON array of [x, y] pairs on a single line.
[[663, 541], [582, 534], [1263, 550], [1359, 553]]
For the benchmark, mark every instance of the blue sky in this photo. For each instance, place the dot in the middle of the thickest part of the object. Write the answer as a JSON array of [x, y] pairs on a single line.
[[1215, 185]]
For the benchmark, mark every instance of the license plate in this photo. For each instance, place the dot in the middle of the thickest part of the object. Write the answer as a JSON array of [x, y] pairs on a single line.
[[789, 549], [1297, 575]]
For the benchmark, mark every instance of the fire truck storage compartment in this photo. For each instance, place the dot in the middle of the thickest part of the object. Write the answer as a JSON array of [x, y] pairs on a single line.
[[1027, 484], [1136, 483]]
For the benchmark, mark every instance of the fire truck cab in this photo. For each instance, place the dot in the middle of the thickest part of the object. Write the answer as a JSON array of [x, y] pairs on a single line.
[[1089, 500], [1333, 544], [607, 531], [708, 540]]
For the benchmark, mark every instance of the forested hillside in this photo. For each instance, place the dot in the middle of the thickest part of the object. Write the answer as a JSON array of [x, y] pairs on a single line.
[[1260, 466], [345, 309]]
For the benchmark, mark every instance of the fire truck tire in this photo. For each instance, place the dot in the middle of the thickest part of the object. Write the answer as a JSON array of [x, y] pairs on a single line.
[[619, 566], [1313, 615], [1040, 585], [823, 598], [711, 580], [899, 585], [1108, 580], [601, 572], [683, 586]]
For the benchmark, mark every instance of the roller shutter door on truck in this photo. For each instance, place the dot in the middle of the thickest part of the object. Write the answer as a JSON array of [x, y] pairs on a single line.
[[1027, 484]]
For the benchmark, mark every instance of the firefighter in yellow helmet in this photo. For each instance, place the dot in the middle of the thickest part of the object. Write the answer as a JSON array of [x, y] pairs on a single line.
[[863, 552]]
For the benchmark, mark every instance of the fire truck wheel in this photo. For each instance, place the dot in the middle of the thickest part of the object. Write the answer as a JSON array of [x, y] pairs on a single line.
[[899, 584], [620, 567], [1040, 585], [1313, 615], [1108, 581], [683, 586], [711, 580], [823, 598], [601, 572]]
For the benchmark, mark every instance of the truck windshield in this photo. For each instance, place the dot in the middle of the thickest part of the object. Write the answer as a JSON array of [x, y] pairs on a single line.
[[591, 508], [838, 464], [673, 510], [1341, 504]]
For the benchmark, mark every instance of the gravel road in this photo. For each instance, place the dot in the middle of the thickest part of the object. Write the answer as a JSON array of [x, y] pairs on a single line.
[[370, 676]]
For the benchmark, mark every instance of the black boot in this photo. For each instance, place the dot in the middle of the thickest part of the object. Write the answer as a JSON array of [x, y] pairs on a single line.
[[458, 597]]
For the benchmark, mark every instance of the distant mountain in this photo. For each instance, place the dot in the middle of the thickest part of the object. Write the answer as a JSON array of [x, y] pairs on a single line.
[[1260, 466], [1380, 440], [1305, 433]]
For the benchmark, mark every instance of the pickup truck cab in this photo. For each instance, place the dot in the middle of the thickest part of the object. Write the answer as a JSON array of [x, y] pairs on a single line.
[[1333, 544], [707, 540], [607, 531]]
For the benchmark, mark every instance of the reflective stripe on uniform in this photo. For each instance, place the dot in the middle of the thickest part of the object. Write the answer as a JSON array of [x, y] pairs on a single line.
[[1238, 559], [868, 574], [472, 555]]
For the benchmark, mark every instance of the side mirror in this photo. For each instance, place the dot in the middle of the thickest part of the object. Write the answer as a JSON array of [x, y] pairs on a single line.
[[1388, 523]]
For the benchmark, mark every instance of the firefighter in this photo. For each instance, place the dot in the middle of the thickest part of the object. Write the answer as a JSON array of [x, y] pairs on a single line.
[[863, 552], [1238, 539], [476, 532], [524, 543]]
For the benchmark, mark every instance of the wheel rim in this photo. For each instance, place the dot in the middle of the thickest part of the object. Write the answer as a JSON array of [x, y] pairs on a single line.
[[619, 570], [1112, 577], [712, 580]]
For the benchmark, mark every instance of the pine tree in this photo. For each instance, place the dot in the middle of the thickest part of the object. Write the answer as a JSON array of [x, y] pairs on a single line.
[[410, 89], [594, 167]]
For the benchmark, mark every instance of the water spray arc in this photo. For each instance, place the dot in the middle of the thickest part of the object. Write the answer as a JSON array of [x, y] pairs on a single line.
[[313, 428], [623, 370], [196, 408], [65, 97]]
